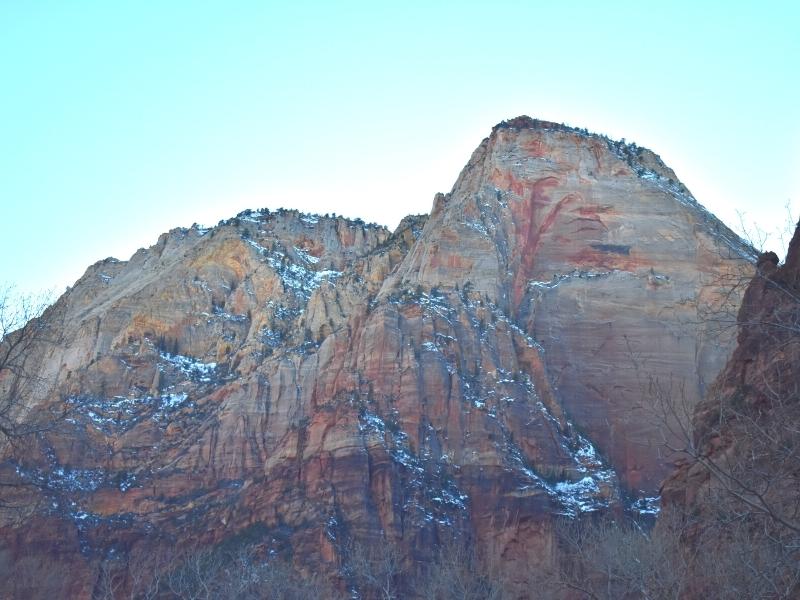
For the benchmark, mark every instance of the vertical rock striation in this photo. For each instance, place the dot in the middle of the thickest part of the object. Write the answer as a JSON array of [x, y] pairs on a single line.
[[319, 380]]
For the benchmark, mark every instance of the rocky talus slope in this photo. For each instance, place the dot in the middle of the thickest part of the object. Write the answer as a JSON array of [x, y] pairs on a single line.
[[310, 380]]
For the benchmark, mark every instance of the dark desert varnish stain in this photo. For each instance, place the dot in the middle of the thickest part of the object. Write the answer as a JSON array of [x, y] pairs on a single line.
[[593, 258]]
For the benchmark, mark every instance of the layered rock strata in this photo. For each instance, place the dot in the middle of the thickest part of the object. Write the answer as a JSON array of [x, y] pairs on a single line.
[[319, 380]]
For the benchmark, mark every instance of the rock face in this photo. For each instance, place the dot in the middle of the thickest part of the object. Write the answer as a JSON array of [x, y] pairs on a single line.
[[745, 444], [736, 494], [319, 380]]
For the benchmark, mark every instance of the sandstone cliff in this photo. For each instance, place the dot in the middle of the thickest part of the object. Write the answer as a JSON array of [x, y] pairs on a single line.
[[318, 380], [738, 489]]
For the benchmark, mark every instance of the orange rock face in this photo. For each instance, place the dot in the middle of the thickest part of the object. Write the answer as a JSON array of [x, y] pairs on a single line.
[[483, 368]]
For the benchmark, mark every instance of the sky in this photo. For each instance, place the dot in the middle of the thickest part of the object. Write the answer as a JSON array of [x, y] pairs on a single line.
[[121, 120]]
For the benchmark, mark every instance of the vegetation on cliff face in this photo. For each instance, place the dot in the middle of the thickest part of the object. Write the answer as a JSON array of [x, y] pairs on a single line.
[[382, 412], [729, 528]]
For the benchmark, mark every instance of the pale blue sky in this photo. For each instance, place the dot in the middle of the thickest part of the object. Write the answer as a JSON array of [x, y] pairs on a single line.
[[120, 120]]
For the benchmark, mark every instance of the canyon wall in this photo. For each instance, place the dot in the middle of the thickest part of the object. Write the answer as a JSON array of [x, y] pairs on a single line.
[[312, 380]]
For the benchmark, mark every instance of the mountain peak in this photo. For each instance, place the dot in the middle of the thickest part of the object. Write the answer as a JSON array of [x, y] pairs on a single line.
[[329, 380], [526, 122]]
